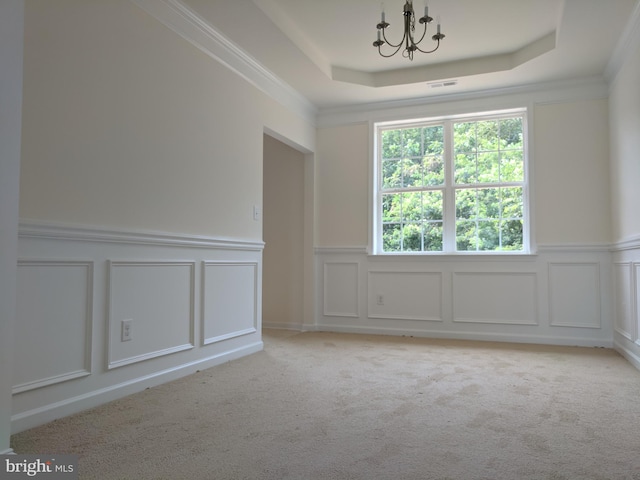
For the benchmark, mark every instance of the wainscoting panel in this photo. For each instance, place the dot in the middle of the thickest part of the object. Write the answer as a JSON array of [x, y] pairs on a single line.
[[500, 298], [623, 321], [341, 291], [157, 297], [574, 295], [405, 295], [626, 299], [230, 300], [54, 317], [78, 283], [636, 303], [560, 296]]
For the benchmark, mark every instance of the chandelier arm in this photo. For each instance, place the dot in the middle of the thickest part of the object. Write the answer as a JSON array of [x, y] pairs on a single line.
[[429, 51], [391, 44], [422, 37], [390, 55]]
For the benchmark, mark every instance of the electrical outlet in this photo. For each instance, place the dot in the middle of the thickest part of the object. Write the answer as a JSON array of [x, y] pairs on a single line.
[[380, 299], [126, 332], [256, 213]]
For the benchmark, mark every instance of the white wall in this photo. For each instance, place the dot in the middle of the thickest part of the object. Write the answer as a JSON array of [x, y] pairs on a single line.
[[11, 35], [141, 165], [571, 173], [343, 185], [624, 106], [560, 295], [138, 128], [283, 256], [624, 112]]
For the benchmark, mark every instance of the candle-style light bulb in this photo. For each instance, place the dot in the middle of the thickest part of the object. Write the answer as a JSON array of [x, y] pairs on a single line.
[[382, 16]]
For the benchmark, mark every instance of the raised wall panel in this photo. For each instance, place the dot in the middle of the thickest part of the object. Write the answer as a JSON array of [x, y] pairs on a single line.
[[574, 295], [77, 283], [158, 297], [54, 322], [340, 289], [623, 301], [405, 295], [495, 297], [636, 302], [230, 300]]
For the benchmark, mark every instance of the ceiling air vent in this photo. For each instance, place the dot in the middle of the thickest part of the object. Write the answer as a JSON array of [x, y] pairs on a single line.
[[448, 83]]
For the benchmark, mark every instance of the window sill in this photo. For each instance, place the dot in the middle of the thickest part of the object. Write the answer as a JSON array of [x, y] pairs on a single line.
[[458, 256]]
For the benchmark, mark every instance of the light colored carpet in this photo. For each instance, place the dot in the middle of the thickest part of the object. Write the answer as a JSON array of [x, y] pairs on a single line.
[[339, 406]]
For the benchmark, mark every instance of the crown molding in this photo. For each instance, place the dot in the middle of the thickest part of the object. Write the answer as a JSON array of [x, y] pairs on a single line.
[[539, 94], [188, 24], [629, 37]]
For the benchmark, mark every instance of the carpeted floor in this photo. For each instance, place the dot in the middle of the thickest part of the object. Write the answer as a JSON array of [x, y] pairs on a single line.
[[339, 406]]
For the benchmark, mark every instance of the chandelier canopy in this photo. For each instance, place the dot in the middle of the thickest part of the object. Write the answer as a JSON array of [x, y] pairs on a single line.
[[408, 39]]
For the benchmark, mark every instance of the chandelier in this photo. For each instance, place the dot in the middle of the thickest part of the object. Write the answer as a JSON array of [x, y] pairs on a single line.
[[408, 39]]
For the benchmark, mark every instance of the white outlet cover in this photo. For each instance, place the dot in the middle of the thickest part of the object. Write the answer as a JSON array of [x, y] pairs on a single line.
[[127, 330]]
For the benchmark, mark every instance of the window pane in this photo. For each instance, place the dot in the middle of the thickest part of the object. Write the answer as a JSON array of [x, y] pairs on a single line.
[[432, 205], [412, 221], [433, 236], [412, 172], [511, 233], [391, 144], [487, 135], [466, 235], [511, 133], [465, 168], [411, 142], [484, 219], [391, 174], [433, 138], [412, 237], [512, 203], [488, 168], [488, 203], [412, 207], [391, 237], [392, 207], [464, 137], [512, 166], [488, 235], [466, 204], [433, 171], [433, 150]]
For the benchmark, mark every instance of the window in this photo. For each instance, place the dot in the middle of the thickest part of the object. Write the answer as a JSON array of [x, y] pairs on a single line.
[[454, 184]]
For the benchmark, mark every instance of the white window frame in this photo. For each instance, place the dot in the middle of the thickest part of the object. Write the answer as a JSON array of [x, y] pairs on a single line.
[[449, 210]]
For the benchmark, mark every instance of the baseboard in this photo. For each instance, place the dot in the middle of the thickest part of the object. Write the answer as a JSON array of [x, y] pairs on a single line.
[[7, 452], [631, 357], [32, 418], [298, 327], [477, 336]]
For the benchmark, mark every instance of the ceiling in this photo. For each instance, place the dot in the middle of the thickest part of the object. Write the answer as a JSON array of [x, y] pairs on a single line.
[[324, 48]]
